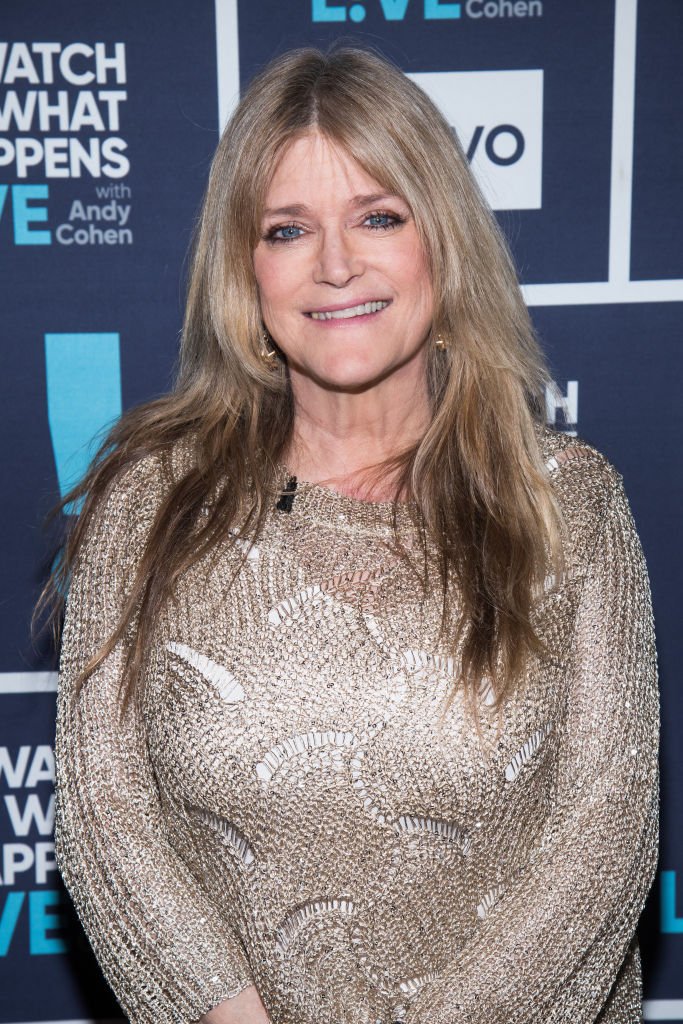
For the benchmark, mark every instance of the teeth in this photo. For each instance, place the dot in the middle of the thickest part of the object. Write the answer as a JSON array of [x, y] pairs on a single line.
[[345, 314]]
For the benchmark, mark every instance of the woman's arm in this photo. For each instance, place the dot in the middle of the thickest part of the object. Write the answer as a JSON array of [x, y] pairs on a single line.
[[551, 949], [164, 949]]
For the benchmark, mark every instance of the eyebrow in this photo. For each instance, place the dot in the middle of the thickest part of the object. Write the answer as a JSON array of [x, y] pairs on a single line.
[[299, 209]]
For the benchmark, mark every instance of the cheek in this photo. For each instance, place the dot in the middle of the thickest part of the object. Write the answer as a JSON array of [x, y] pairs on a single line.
[[266, 273], [409, 267], [276, 280], [415, 281]]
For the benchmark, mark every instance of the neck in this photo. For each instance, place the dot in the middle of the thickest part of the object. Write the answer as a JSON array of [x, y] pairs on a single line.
[[338, 436]]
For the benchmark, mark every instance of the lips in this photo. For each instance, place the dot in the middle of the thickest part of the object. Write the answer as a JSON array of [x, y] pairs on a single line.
[[348, 312]]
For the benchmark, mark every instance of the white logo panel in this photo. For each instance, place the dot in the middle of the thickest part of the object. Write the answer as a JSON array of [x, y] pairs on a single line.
[[498, 117]]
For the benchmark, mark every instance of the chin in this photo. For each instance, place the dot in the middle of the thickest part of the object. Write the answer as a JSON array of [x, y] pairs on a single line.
[[348, 377]]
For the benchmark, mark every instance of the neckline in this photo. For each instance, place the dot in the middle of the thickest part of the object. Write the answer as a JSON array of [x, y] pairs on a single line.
[[324, 503]]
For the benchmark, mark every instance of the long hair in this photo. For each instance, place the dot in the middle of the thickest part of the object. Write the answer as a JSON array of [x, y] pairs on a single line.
[[476, 475]]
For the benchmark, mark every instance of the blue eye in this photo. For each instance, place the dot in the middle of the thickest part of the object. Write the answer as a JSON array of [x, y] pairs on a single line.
[[382, 221], [284, 233]]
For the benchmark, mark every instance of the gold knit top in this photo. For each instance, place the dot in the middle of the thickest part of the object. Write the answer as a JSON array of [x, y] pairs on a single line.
[[282, 810]]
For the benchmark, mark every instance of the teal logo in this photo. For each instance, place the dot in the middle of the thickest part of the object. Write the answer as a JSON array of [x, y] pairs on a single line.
[[83, 375], [24, 216], [669, 921], [42, 907], [393, 10]]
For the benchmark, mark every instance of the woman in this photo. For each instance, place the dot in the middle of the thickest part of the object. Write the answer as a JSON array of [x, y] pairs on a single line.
[[358, 714]]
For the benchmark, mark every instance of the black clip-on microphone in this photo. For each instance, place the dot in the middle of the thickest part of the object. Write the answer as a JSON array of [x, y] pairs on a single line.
[[285, 502]]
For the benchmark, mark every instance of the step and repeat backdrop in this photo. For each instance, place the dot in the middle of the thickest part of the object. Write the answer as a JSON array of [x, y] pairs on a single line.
[[571, 115]]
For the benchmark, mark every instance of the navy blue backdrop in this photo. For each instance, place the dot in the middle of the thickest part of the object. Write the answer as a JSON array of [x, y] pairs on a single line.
[[109, 115]]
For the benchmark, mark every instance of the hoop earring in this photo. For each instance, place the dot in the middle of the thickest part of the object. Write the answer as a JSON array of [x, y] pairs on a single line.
[[440, 342], [267, 353]]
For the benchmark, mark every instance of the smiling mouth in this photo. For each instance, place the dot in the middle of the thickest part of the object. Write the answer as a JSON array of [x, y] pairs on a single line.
[[350, 311]]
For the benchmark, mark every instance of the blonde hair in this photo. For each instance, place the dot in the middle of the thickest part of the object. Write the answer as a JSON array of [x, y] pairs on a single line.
[[476, 476]]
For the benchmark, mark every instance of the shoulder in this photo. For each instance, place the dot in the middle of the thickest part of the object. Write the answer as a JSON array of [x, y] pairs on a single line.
[[135, 490], [585, 483], [571, 459], [122, 515], [144, 483]]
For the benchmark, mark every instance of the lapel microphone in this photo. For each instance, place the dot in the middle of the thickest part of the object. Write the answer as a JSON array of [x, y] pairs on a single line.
[[285, 502]]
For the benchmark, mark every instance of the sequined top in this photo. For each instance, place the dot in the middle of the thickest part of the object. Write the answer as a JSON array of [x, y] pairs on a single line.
[[282, 810]]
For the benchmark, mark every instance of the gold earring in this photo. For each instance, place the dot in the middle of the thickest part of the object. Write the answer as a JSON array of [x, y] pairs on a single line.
[[267, 353], [440, 342]]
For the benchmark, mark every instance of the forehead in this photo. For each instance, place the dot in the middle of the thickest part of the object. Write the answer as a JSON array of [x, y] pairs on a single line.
[[312, 164]]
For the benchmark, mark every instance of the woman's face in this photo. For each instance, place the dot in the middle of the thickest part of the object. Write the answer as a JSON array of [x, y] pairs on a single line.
[[342, 274]]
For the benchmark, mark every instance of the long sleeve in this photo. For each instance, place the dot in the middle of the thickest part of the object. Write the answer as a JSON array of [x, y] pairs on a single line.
[[164, 949], [552, 947]]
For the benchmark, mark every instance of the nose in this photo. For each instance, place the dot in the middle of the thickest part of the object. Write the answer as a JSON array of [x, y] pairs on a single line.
[[337, 262]]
